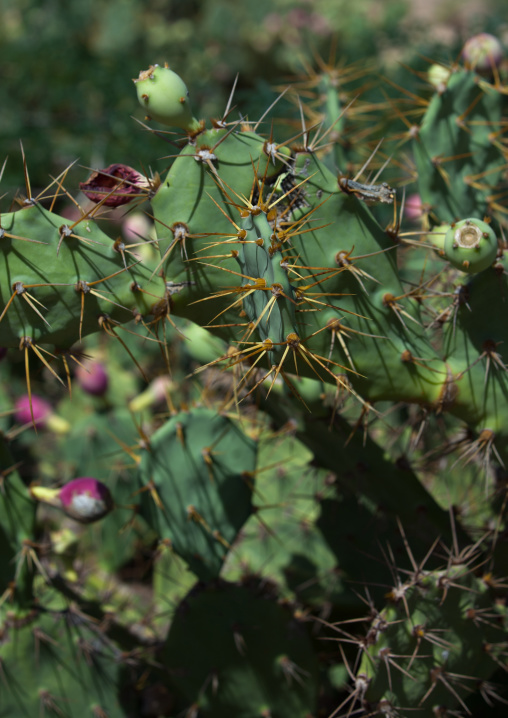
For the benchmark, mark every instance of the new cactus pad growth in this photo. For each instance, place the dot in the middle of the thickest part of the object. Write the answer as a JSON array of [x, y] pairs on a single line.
[[293, 380]]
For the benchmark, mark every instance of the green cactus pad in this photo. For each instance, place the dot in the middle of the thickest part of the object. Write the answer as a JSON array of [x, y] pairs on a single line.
[[57, 663], [441, 635], [288, 276], [56, 282], [458, 158], [233, 652], [196, 477], [17, 525]]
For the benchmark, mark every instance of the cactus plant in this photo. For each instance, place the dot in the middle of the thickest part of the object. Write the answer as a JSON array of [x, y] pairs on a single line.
[[314, 440]]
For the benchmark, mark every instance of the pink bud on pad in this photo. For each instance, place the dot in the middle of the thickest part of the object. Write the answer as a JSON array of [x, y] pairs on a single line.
[[40, 408], [413, 207], [93, 378]]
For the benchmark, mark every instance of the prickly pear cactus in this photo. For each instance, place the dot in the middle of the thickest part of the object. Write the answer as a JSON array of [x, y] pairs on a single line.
[[253, 456], [458, 156]]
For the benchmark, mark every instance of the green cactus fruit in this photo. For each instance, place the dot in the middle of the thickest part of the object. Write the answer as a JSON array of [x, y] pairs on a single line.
[[164, 96], [196, 486], [438, 76], [269, 296], [234, 652], [470, 245], [437, 238], [474, 343]]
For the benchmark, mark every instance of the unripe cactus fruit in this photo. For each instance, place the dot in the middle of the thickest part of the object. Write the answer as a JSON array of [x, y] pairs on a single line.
[[438, 76], [482, 52], [470, 245], [84, 499], [165, 97]]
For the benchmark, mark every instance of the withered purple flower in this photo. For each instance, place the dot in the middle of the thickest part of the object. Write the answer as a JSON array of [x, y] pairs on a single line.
[[115, 185]]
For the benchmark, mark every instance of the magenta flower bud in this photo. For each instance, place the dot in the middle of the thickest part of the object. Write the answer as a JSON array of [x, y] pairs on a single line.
[[86, 499], [482, 52], [119, 184], [92, 377], [41, 414], [41, 409], [413, 208], [156, 392]]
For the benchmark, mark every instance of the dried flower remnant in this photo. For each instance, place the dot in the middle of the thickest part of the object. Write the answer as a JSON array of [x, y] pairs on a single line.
[[114, 186]]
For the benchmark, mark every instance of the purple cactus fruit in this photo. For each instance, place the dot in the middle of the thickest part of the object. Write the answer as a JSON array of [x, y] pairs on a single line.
[[86, 499], [92, 377], [38, 412], [482, 52], [3, 352]]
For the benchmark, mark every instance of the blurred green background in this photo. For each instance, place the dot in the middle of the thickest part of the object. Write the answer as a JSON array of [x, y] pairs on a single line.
[[66, 68]]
